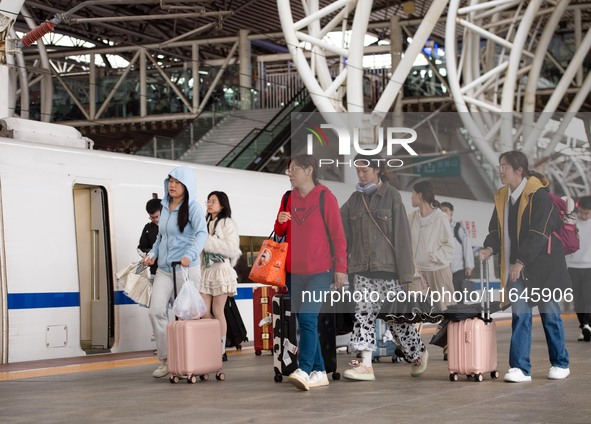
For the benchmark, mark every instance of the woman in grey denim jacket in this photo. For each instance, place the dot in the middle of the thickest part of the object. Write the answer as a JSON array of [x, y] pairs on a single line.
[[379, 259]]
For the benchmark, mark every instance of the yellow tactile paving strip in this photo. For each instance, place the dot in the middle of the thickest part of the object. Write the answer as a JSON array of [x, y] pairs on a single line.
[[95, 366], [124, 363]]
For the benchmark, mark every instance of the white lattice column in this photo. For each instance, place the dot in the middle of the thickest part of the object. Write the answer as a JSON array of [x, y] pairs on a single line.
[[9, 10]]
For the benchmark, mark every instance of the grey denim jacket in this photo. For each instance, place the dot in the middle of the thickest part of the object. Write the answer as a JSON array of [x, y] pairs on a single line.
[[367, 248]]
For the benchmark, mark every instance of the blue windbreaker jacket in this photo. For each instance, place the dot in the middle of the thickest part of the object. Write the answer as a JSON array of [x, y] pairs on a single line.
[[171, 245]]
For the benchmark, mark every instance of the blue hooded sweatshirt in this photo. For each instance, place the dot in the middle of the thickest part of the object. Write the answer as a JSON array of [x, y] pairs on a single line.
[[172, 244]]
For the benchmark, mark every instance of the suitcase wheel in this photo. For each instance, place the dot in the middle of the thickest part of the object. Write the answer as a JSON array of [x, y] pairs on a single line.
[[220, 376], [494, 374], [258, 352], [336, 376], [174, 379], [278, 378], [239, 347], [478, 378], [453, 377], [204, 377], [192, 379]]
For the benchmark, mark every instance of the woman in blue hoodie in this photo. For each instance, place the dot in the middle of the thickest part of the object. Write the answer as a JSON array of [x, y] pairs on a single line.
[[182, 235]]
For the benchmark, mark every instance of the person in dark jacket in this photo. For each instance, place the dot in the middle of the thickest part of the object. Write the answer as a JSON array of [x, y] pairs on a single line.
[[532, 262], [380, 260], [150, 231]]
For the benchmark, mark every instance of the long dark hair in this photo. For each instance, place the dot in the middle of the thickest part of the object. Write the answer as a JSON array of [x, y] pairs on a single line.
[[183, 218], [226, 211], [305, 161], [518, 160], [425, 188]]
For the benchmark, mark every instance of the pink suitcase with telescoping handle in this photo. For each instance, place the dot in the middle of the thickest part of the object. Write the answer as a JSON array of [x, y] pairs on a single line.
[[472, 343], [194, 348]]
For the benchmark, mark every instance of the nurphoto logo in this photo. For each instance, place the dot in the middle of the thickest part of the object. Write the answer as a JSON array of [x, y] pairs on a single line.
[[390, 137]]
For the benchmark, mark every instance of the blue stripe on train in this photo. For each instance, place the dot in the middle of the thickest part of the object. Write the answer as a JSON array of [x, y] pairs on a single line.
[[244, 293], [43, 300], [72, 299]]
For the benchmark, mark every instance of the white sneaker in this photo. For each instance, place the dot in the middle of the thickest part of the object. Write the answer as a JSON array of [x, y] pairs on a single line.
[[161, 371], [515, 375], [586, 332], [318, 379], [359, 371], [300, 379], [557, 373]]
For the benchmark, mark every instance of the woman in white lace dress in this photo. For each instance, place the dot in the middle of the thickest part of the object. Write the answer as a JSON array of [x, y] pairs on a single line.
[[220, 254]]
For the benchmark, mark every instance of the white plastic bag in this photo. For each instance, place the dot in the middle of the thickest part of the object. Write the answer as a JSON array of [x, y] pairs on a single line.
[[189, 304]]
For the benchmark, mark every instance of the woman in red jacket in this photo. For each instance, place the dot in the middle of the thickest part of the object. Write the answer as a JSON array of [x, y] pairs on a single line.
[[310, 260]]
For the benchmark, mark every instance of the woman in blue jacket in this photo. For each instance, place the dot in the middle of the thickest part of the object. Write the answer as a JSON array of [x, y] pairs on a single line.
[[181, 239]]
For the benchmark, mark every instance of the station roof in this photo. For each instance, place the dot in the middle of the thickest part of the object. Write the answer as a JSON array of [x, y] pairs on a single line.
[[256, 16]]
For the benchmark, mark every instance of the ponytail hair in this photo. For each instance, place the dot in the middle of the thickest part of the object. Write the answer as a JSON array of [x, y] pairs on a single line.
[[518, 160], [305, 161], [425, 189]]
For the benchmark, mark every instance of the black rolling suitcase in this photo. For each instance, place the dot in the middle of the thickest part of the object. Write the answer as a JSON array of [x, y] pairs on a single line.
[[285, 339], [236, 332]]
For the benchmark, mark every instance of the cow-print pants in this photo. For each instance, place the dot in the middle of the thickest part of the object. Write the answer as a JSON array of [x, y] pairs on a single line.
[[364, 330]]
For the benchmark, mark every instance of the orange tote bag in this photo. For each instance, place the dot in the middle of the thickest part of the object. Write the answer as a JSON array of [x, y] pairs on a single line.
[[269, 266]]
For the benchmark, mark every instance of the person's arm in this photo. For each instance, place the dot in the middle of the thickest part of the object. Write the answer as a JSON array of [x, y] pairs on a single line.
[[346, 224], [541, 225], [283, 217], [225, 240], [334, 224], [444, 253], [402, 240], [492, 242], [144, 245], [467, 251], [198, 235]]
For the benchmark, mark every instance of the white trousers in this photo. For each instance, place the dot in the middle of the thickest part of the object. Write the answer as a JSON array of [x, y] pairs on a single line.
[[161, 300]]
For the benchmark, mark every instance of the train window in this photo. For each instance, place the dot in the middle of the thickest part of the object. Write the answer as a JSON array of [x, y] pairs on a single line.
[[250, 247]]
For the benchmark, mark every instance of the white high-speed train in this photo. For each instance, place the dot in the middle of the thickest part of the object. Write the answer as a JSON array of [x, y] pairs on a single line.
[[71, 217]]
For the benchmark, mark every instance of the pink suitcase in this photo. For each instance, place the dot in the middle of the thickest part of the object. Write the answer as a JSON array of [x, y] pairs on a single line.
[[194, 350], [472, 343]]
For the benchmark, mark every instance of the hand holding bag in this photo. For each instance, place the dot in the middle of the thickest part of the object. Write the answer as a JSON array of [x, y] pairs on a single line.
[[189, 304], [135, 279], [269, 265]]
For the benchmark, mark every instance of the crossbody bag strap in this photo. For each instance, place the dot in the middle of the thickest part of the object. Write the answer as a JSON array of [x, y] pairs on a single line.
[[377, 225]]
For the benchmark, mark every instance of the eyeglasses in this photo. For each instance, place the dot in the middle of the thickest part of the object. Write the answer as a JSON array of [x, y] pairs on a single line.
[[503, 167], [292, 170], [211, 202]]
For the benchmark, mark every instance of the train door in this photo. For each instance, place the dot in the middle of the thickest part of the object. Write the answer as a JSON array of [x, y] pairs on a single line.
[[3, 293], [94, 268]]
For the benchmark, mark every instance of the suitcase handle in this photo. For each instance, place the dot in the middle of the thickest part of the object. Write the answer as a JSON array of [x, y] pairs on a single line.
[[174, 265], [485, 288]]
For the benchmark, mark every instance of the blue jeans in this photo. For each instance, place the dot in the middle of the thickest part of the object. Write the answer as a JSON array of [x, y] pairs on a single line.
[[521, 325], [310, 352]]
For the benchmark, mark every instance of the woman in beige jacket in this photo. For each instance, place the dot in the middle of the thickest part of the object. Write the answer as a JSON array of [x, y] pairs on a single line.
[[432, 244]]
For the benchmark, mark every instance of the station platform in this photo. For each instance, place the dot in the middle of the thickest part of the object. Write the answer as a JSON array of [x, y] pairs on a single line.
[[117, 388]]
